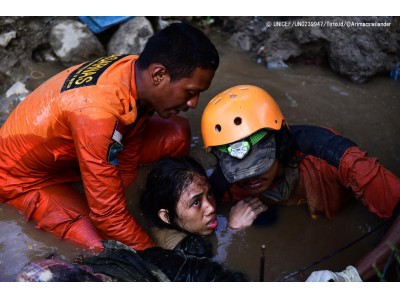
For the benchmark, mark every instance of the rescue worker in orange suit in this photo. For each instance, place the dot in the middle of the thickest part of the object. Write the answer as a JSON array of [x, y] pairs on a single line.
[[260, 155], [93, 122]]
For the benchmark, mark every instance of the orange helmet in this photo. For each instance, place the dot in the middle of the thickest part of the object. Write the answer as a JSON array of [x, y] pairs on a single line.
[[237, 113]]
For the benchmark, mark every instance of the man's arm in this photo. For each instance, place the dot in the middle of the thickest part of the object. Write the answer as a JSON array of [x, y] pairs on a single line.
[[364, 268], [93, 136], [379, 255]]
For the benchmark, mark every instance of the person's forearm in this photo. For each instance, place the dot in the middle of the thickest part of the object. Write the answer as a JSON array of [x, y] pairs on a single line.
[[378, 256], [224, 236]]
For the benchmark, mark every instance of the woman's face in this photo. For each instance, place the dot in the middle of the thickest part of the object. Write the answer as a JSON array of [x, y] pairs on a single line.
[[196, 208]]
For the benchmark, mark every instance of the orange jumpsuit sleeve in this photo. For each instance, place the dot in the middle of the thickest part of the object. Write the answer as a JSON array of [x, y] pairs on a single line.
[[129, 158], [377, 187], [92, 130]]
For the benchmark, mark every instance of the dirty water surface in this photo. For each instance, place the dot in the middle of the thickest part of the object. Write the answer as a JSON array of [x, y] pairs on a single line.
[[295, 244]]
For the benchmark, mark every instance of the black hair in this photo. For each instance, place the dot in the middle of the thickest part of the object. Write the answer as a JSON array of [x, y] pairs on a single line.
[[286, 146], [181, 48], [165, 184]]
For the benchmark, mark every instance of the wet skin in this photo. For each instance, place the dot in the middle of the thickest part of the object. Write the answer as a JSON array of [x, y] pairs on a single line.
[[258, 184], [196, 208], [172, 97]]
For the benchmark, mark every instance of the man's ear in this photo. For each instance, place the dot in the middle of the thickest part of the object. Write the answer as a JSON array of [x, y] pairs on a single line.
[[158, 74], [164, 215]]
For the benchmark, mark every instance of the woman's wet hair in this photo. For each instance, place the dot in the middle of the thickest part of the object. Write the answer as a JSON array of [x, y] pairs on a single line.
[[181, 48], [165, 184]]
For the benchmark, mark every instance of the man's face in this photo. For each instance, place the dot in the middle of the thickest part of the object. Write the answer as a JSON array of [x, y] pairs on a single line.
[[174, 97], [259, 184]]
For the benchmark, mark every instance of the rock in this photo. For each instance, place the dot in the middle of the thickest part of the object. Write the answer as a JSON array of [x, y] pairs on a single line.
[[354, 47], [5, 38], [276, 64], [362, 52], [14, 95], [131, 37], [18, 88], [356, 52], [241, 40], [73, 43], [20, 38]]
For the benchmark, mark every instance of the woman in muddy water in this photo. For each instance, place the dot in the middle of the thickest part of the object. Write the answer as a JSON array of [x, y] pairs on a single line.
[[179, 200], [180, 203]]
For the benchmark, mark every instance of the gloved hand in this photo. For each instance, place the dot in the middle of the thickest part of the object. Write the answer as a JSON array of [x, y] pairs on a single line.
[[350, 274]]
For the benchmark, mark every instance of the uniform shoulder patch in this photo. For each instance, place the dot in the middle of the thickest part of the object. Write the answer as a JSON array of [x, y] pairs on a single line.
[[89, 73], [112, 153], [115, 147]]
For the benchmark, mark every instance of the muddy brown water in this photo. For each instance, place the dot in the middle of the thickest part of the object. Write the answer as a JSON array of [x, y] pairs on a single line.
[[367, 113]]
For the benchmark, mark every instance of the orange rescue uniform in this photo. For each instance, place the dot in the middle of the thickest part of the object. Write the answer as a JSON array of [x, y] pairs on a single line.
[[84, 124]]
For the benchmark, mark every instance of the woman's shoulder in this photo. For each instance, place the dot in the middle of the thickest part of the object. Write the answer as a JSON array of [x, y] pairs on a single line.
[[190, 244], [166, 238]]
